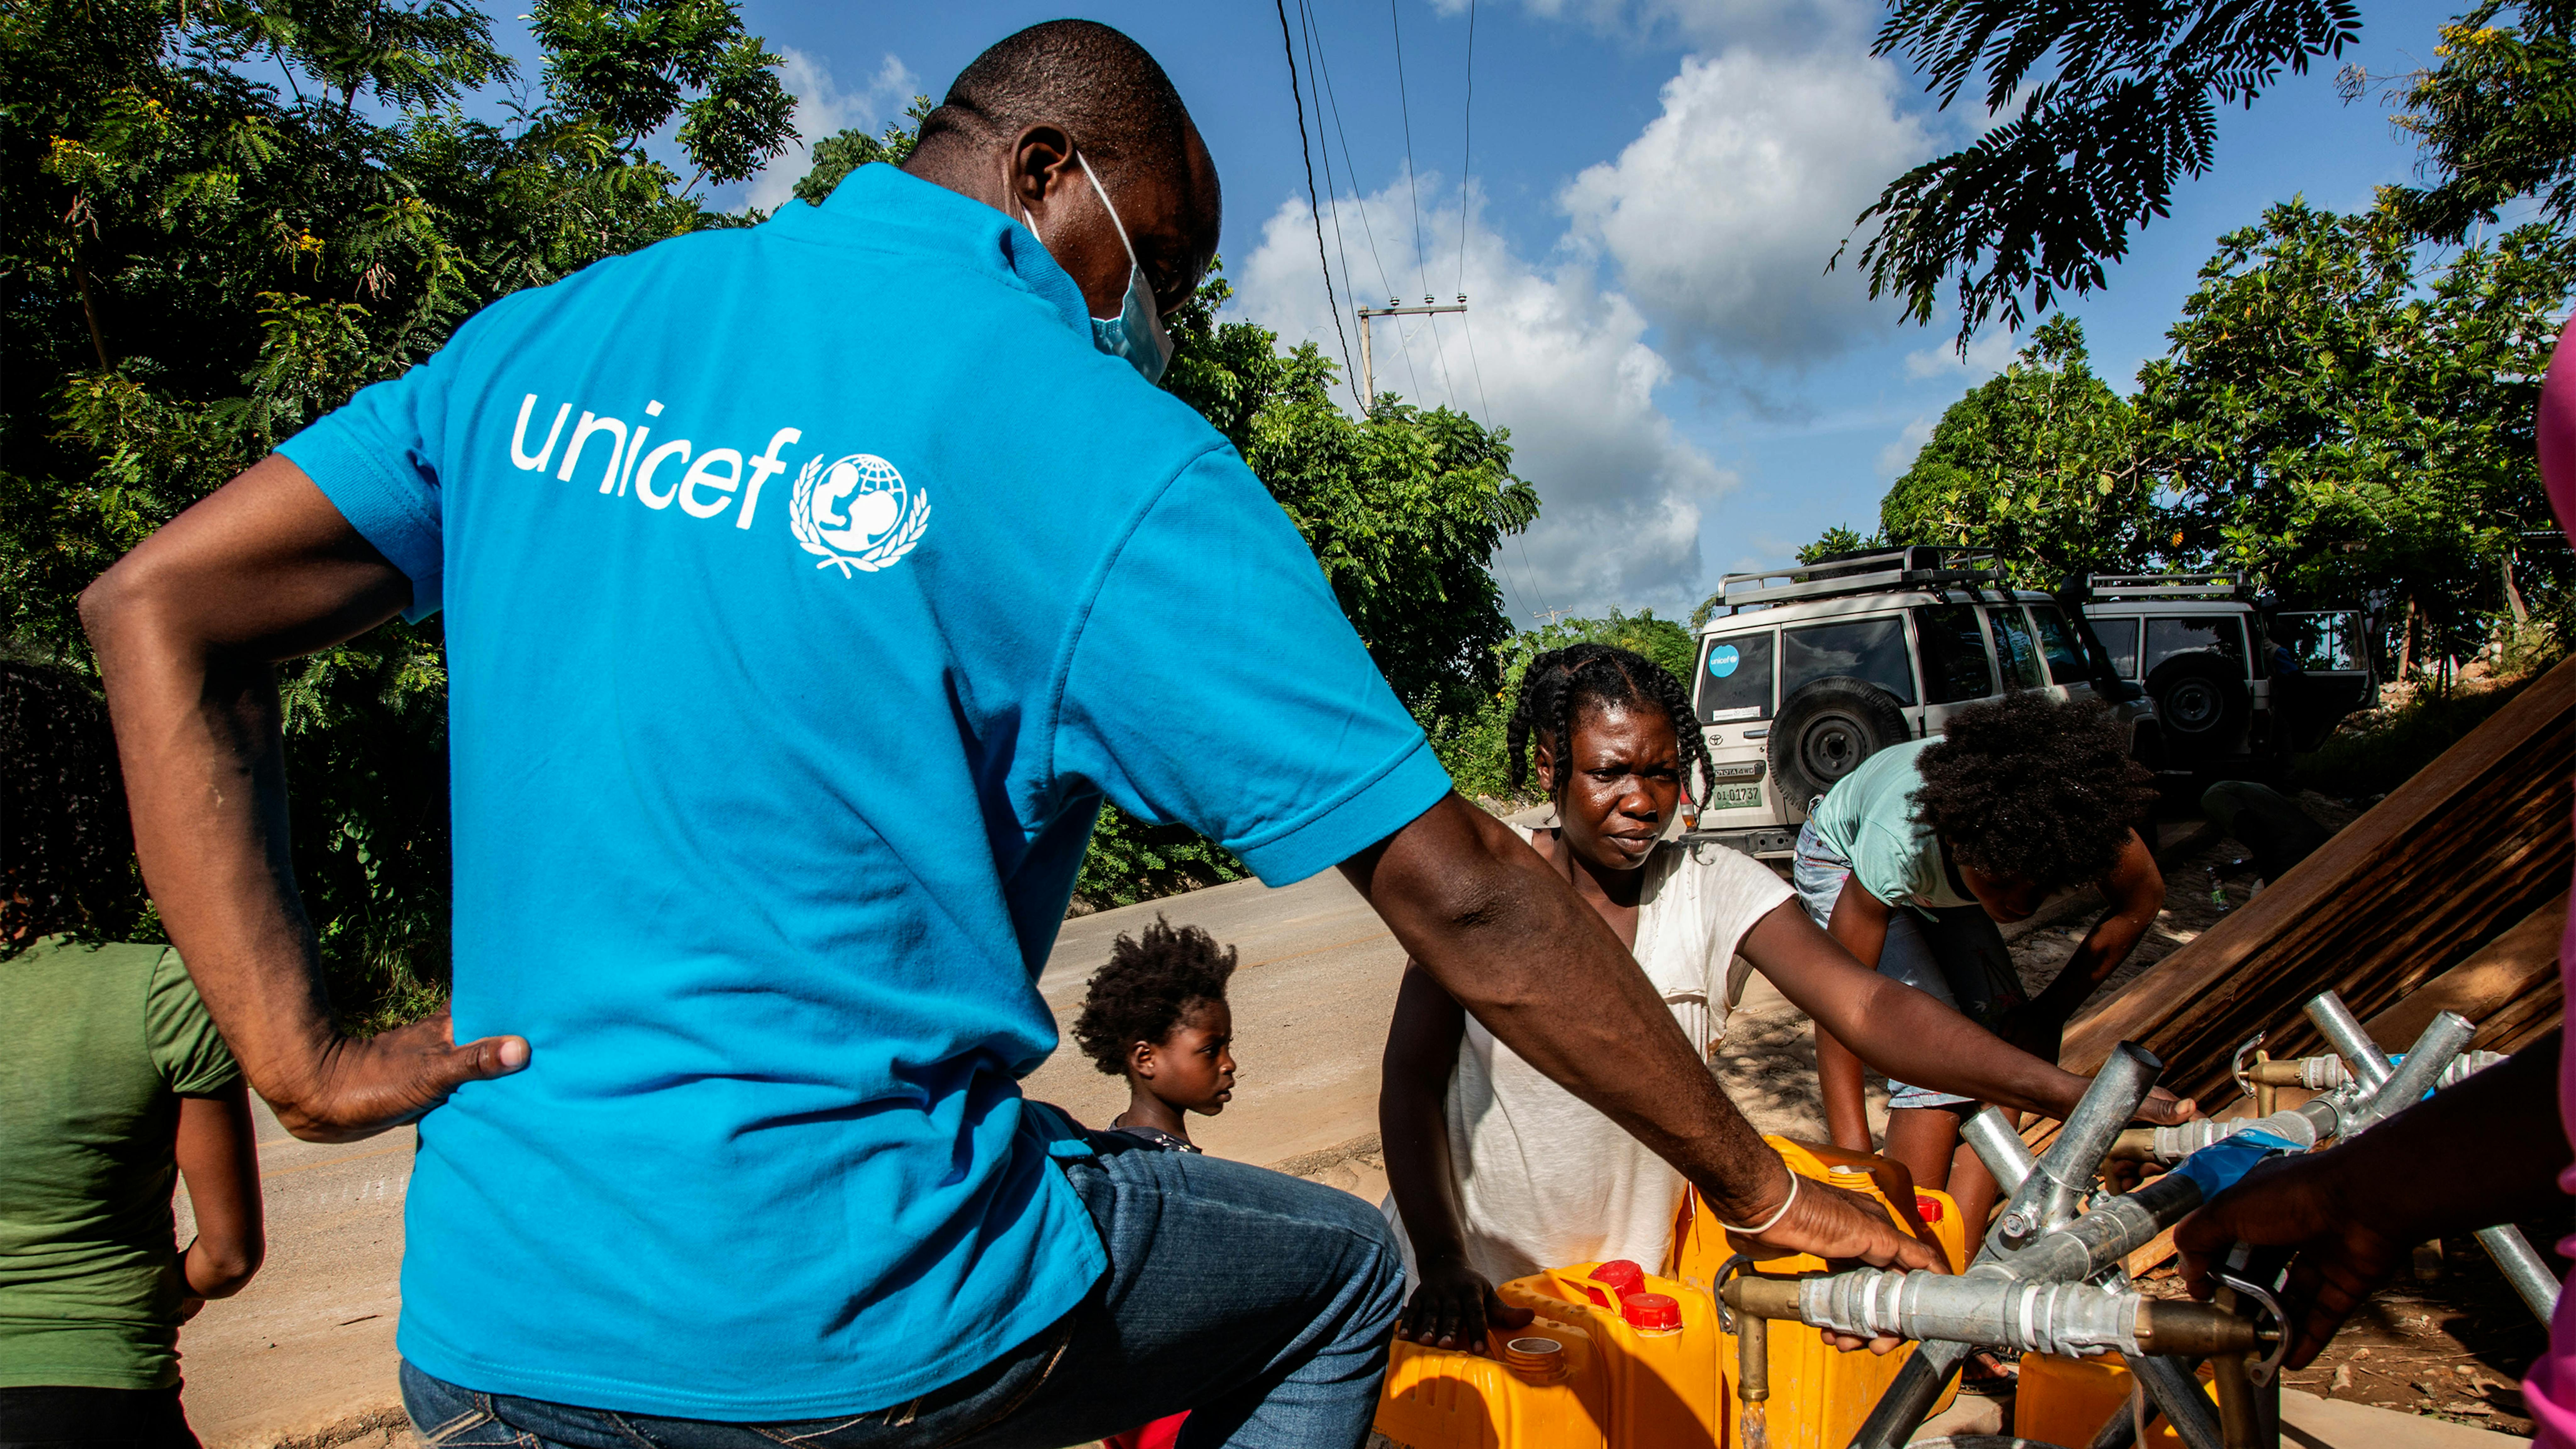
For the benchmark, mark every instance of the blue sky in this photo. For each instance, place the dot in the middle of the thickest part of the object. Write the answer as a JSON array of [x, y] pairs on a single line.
[[1655, 189]]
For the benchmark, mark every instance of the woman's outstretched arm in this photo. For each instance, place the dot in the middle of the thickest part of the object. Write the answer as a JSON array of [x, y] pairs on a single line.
[[1907, 1034]]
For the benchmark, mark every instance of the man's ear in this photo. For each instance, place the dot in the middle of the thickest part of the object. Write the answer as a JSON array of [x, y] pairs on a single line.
[[1041, 163]]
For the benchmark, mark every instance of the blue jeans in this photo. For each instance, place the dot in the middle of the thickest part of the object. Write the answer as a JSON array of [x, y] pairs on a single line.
[[1258, 1302]]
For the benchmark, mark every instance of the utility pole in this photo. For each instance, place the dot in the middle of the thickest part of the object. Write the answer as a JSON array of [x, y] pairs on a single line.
[[1549, 616], [1394, 308]]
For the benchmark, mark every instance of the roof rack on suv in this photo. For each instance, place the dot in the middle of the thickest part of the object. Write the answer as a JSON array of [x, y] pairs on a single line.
[[2114, 588], [1863, 572]]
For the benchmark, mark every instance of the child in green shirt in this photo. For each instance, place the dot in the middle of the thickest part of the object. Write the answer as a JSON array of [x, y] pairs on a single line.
[[113, 1084]]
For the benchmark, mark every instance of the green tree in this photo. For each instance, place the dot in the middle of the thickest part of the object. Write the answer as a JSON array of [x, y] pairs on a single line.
[[845, 151], [2040, 463], [2497, 118], [2117, 104], [2332, 422], [1403, 509], [1838, 539], [203, 260], [1474, 746]]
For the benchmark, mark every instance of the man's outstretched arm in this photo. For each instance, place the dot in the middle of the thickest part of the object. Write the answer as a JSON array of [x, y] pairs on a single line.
[[189, 629], [1505, 936]]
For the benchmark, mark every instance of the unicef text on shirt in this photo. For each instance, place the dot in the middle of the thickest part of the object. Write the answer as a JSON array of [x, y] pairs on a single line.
[[705, 486]]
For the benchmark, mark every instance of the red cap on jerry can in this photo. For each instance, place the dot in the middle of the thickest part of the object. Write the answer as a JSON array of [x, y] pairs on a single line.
[[1928, 1206], [1650, 1310], [1620, 1275]]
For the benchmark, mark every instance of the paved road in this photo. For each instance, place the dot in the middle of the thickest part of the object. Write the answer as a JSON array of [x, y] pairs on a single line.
[[306, 1352]]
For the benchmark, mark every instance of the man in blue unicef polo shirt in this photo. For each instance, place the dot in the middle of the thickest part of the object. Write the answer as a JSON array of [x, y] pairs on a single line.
[[806, 589]]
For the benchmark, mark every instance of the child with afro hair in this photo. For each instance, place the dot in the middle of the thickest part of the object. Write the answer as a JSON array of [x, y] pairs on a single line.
[[1157, 1015], [1911, 859]]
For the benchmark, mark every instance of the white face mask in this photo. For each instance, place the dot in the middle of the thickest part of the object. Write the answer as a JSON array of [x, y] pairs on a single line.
[[1136, 333]]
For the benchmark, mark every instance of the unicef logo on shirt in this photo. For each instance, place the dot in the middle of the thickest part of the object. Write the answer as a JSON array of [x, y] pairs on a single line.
[[856, 513]]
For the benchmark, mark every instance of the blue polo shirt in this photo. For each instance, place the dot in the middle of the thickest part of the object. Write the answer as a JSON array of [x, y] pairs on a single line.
[[807, 587]]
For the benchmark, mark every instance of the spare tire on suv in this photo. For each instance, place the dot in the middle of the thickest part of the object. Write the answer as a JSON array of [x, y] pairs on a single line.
[[2201, 705], [1825, 729]]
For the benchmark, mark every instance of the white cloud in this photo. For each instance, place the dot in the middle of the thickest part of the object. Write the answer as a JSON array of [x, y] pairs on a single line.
[[823, 110], [1546, 351], [1774, 24], [1721, 215], [1987, 356], [1898, 456]]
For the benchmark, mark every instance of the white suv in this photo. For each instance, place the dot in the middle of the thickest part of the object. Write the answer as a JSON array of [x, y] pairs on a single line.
[[1807, 671], [2236, 690]]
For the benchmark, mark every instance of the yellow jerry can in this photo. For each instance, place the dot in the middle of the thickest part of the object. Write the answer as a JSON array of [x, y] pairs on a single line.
[[1534, 1388], [2063, 1400], [1820, 1394], [1659, 1346]]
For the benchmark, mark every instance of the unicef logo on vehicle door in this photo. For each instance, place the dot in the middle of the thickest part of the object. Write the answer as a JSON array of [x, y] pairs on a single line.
[[856, 513], [1723, 660]]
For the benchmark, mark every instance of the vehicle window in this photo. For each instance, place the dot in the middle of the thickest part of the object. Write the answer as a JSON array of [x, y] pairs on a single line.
[[2057, 642], [2119, 640], [2321, 641], [1735, 678], [1954, 654], [1871, 649], [2019, 651], [2207, 633]]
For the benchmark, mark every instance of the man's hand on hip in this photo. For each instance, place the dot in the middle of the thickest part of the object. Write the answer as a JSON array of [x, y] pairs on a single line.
[[363, 1085]]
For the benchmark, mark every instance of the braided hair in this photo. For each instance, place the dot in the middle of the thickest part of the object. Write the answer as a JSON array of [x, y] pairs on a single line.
[[66, 849], [1563, 682]]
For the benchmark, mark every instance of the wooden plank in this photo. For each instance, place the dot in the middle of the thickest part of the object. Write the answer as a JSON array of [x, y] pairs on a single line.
[[2501, 973], [2465, 851]]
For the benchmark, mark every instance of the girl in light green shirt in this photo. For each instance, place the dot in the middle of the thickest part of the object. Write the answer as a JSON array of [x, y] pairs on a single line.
[[113, 1085]]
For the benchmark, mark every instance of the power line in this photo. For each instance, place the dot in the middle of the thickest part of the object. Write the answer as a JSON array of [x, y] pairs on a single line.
[[1332, 188], [1288, 47], [1466, 178], [1332, 96], [1413, 189], [1467, 149]]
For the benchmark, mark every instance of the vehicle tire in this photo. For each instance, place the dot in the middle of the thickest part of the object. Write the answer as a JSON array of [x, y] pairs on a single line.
[[2202, 703], [1825, 729]]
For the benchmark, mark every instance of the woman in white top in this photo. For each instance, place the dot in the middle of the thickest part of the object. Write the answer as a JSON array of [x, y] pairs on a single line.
[[1497, 1171]]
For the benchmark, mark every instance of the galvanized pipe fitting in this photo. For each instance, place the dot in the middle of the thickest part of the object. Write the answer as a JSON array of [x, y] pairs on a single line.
[[2076, 1319], [2448, 1035], [1999, 1146], [2115, 1228], [2058, 1184], [2342, 1030]]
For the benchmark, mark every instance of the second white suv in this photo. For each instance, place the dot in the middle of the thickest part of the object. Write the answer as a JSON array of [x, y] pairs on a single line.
[[2237, 690]]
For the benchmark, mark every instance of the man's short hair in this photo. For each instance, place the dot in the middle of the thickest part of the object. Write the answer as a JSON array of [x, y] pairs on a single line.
[[1081, 75]]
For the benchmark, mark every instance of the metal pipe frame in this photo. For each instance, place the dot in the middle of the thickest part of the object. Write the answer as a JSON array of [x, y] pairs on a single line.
[[2087, 1134]]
